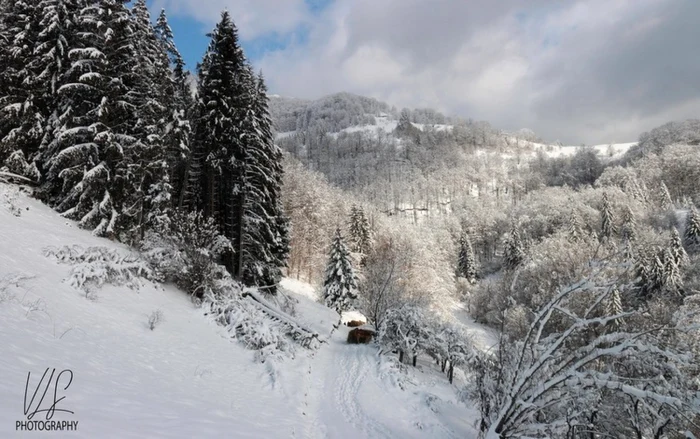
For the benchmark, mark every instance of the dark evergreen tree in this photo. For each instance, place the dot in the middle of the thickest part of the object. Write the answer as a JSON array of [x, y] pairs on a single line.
[[360, 232], [178, 130], [21, 120], [652, 274], [607, 219], [235, 172], [676, 251], [87, 171], [629, 226], [575, 230], [691, 234], [672, 278], [665, 201], [152, 88], [613, 306], [216, 173], [266, 226], [340, 284], [675, 259], [513, 254], [51, 65], [466, 262]]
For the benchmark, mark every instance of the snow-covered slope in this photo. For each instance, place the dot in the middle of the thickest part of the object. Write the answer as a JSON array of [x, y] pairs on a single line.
[[186, 378], [609, 150], [183, 379]]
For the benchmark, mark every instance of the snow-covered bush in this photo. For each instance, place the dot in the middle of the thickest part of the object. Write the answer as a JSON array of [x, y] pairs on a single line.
[[96, 266], [16, 163], [449, 344], [182, 248], [9, 199], [246, 322], [403, 329]]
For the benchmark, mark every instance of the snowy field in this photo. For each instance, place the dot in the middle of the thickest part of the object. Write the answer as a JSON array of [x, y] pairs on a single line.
[[186, 378]]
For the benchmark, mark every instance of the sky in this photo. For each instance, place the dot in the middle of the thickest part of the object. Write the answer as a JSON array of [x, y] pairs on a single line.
[[577, 71]]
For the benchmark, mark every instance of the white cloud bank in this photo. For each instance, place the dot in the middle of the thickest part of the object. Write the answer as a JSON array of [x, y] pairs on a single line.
[[580, 71]]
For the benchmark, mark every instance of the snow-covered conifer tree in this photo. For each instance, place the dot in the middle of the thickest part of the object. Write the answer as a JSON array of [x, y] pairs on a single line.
[[613, 306], [607, 220], [513, 254], [340, 284], [575, 229], [629, 225], [178, 129], [691, 234], [217, 171], [466, 262], [266, 226], [21, 119], [360, 233], [678, 255], [665, 201], [152, 90], [674, 260], [87, 173], [235, 173]]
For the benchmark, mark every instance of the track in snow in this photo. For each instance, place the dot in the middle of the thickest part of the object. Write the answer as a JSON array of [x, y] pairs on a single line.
[[354, 368]]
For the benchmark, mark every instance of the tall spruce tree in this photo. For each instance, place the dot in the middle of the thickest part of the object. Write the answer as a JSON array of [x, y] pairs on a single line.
[[613, 306], [628, 232], [21, 120], [629, 225], [235, 171], [466, 262], [266, 226], [575, 229], [607, 219], [665, 201], [678, 254], [88, 172], [360, 233], [513, 254], [340, 284], [691, 234], [178, 131], [51, 65], [149, 190], [217, 170]]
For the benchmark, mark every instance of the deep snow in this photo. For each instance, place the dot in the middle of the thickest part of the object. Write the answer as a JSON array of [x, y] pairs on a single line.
[[187, 378]]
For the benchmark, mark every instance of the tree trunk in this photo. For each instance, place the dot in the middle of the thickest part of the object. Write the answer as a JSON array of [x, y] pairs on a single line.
[[451, 373], [400, 356], [238, 270]]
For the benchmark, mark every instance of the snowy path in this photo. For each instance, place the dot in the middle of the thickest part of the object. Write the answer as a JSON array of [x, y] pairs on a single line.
[[344, 368], [348, 396]]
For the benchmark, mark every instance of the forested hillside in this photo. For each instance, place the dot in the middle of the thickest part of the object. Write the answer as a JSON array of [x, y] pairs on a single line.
[[584, 258]]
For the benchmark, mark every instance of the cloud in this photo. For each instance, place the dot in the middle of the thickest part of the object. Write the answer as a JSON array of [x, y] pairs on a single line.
[[588, 71], [254, 18]]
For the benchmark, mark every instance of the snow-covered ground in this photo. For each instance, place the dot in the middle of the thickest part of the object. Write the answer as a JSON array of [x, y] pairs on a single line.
[[186, 378], [605, 150]]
